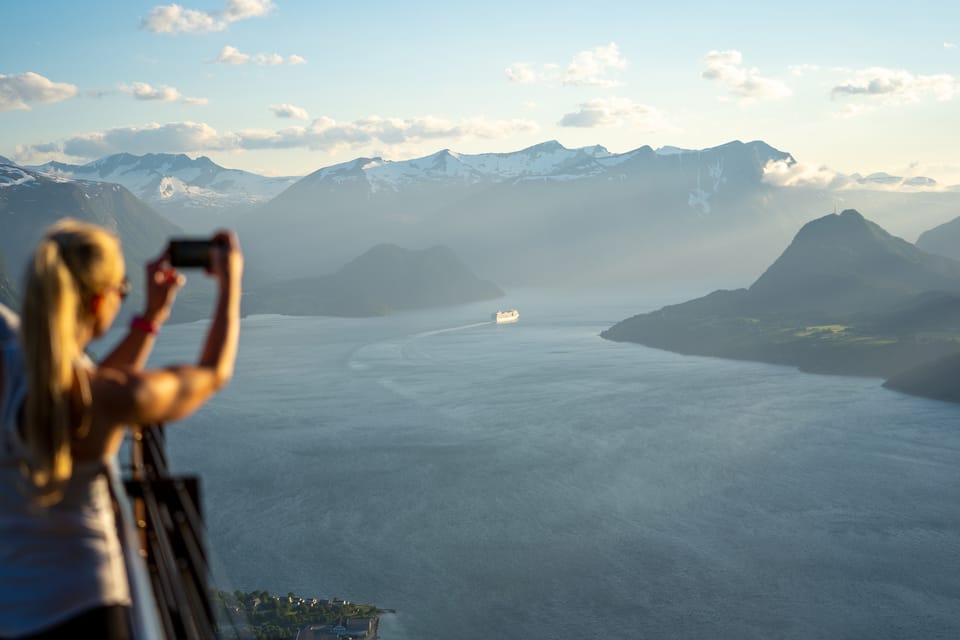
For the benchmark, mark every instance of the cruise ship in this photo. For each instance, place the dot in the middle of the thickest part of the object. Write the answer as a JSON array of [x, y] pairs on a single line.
[[503, 317]]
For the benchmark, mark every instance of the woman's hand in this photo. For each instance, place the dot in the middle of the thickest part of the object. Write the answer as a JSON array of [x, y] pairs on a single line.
[[226, 259], [162, 284]]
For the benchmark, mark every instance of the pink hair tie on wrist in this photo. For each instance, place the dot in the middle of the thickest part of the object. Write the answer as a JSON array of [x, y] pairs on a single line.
[[141, 323]]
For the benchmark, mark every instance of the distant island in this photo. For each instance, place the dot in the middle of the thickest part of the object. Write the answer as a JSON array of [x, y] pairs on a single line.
[[385, 279], [845, 297], [259, 615]]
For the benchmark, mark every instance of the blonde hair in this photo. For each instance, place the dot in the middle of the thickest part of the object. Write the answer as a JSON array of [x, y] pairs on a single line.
[[73, 263]]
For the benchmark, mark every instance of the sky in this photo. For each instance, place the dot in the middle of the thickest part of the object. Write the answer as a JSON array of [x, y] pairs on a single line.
[[285, 87]]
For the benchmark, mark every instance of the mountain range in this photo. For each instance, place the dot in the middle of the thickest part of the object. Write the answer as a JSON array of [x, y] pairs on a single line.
[[30, 201], [383, 279], [543, 215], [194, 193], [844, 297]]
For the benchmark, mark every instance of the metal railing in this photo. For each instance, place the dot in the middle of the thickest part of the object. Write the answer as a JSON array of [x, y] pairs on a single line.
[[167, 512]]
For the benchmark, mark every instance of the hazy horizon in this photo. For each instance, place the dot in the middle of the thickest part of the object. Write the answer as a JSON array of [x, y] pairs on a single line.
[[284, 88]]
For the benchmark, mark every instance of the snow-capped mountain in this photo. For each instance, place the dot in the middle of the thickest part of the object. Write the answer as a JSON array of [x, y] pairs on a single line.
[[704, 172], [549, 160], [546, 161], [178, 186], [13, 175], [31, 200], [538, 214]]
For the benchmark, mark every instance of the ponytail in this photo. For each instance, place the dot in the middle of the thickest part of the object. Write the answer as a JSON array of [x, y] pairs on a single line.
[[56, 301]]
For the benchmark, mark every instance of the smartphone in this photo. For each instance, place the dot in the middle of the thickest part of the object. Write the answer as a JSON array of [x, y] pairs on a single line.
[[189, 252]]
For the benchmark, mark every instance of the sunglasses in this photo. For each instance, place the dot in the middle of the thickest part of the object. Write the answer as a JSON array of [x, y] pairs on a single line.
[[123, 289]]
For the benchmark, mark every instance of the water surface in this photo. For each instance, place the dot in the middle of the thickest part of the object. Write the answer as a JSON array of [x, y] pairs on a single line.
[[535, 481]]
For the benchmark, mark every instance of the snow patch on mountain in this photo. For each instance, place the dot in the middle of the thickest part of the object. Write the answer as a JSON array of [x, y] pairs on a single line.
[[12, 176], [171, 189]]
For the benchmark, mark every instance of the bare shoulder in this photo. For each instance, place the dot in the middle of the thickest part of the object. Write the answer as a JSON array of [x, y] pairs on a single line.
[[124, 396], [114, 393]]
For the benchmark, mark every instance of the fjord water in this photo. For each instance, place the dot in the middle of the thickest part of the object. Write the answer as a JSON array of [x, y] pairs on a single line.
[[536, 481]]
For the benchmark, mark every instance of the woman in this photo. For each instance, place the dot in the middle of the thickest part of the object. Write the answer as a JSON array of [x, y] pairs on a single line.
[[62, 422]]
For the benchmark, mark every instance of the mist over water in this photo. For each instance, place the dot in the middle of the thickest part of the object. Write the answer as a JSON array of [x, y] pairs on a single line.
[[536, 481]]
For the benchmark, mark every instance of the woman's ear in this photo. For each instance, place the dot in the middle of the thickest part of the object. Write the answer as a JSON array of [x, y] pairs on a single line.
[[96, 302]]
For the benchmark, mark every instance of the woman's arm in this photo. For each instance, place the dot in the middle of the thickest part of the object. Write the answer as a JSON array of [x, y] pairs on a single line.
[[125, 396], [162, 284]]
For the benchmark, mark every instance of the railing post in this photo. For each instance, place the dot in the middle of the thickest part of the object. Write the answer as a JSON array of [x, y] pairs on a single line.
[[172, 537], [137, 474]]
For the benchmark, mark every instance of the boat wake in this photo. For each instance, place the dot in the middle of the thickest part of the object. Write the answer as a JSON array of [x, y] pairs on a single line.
[[395, 348], [424, 334]]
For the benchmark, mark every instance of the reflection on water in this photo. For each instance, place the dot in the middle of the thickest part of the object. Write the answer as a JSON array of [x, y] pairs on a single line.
[[535, 481]]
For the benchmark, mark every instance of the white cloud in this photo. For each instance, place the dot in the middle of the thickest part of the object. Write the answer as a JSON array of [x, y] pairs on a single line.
[[289, 111], [161, 93], [896, 86], [322, 134], [232, 55], [618, 112], [786, 174], [173, 18], [143, 91], [946, 173], [745, 83], [590, 67], [326, 134], [267, 59], [521, 73], [239, 9], [950, 45], [38, 153], [18, 91], [173, 137]]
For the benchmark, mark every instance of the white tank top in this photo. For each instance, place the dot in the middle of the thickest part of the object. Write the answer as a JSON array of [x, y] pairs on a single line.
[[57, 561]]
